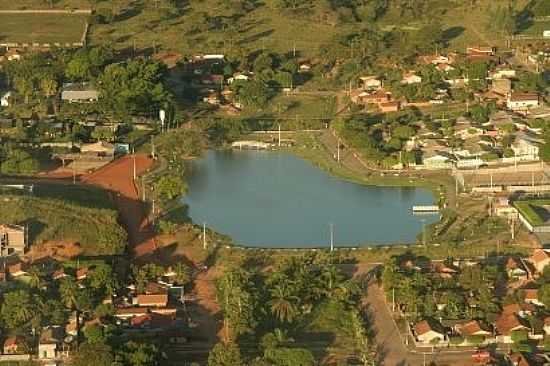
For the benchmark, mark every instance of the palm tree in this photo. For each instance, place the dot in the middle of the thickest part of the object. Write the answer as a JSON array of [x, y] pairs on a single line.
[[182, 274], [69, 291], [35, 277], [282, 303]]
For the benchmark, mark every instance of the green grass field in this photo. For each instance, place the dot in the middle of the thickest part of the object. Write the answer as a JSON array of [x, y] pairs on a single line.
[[41, 28], [41, 4], [533, 210], [67, 214]]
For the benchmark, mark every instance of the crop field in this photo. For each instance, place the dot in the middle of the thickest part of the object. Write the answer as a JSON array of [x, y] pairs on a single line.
[[41, 28]]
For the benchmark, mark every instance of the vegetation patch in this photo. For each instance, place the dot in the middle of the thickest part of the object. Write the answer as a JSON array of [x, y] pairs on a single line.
[[41, 28], [50, 219], [534, 211]]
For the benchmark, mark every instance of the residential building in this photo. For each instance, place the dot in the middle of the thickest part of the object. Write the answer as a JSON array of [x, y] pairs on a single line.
[[370, 83], [153, 300], [411, 78], [49, 345], [508, 323], [540, 259], [388, 107], [79, 93], [526, 148], [5, 100], [522, 101], [480, 50], [12, 239], [532, 297], [14, 345], [502, 87], [438, 161], [473, 328], [428, 333], [515, 269]]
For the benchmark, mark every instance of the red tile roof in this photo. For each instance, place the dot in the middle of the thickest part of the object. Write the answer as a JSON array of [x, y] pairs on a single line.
[[152, 300]]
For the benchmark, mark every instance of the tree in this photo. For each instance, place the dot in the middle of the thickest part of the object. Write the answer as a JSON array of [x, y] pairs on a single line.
[[252, 93], [183, 274], [92, 354], [138, 354], [103, 134], [170, 187], [18, 307], [225, 354], [544, 294], [282, 303]]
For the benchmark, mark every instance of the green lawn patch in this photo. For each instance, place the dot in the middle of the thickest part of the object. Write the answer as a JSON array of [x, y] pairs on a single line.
[[533, 211], [41, 28]]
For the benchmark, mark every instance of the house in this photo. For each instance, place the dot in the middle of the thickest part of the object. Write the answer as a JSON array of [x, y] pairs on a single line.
[[531, 297], [17, 270], [59, 274], [438, 160], [515, 269], [98, 149], [370, 83], [380, 96], [82, 273], [473, 328], [546, 326], [428, 333], [540, 259], [156, 300], [508, 323], [522, 101], [14, 345], [504, 73], [388, 107], [49, 345], [525, 148], [480, 50], [79, 93], [238, 77], [503, 208], [5, 100], [13, 239], [443, 67], [411, 78]]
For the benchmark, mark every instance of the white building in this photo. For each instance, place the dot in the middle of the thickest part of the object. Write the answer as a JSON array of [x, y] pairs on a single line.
[[5, 100], [411, 78], [525, 149], [522, 101]]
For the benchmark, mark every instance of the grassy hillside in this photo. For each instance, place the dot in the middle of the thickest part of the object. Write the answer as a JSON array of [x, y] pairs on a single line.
[[41, 28], [67, 214]]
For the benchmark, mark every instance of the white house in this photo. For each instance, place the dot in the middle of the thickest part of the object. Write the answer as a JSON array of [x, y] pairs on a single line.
[[371, 82], [522, 101], [525, 149], [49, 345], [438, 161], [238, 76], [427, 333], [79, 92], [411, 78], [5, 100], [504, 74]]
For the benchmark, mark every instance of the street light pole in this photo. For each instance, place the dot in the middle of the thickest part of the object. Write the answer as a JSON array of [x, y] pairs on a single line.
[[331, 236], [204, 235]]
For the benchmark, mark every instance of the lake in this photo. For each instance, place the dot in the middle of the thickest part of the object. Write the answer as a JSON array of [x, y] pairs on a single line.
[[277, 200]]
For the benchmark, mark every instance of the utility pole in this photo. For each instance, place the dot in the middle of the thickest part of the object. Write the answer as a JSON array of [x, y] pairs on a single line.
[[294, 49], [204, 235], [143, 189], [134, 161], [393, 300], [153, 211], [331, 236]]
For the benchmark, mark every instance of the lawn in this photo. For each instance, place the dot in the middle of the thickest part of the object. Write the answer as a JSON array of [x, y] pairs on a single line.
[[66, 214], [533, 211], [41, 28]]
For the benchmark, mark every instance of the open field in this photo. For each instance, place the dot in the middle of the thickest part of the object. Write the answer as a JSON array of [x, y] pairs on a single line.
[[54, 220], [535, 211], [45, 5], [41, 28]]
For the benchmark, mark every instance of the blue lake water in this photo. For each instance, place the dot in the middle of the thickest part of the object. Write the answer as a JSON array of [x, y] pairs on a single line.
[[277, 200]]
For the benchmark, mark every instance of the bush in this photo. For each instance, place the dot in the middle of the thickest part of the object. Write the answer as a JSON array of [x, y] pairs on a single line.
[[475, 340], [519, 336], [456, 340]]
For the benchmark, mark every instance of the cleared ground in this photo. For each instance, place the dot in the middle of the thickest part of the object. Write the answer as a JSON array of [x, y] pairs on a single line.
[[41, 28]]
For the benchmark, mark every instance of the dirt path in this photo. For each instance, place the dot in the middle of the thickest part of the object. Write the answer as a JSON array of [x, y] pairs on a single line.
[[118, 178]]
